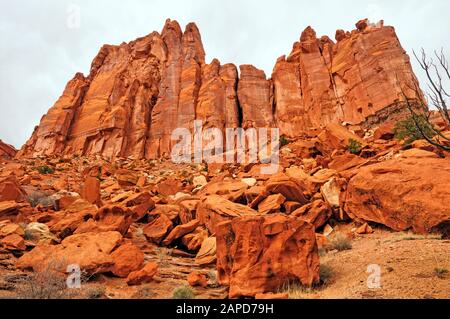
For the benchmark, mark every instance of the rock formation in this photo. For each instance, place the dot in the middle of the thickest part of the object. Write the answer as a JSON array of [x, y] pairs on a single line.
[[230, 232], [358, 80], [137, 93], [261, 254], [7, 151], [406, 193]]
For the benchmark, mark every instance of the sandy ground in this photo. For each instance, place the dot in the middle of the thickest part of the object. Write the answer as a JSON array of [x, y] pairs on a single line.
[[407, 265]]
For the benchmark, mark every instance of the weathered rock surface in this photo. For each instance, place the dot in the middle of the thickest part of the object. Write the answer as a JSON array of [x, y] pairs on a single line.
[[127, 258], [405, 193], [357, 80], [259, 254], [196, 279], [180, 231], [287, 186], [13, 242], [255, 98], [91, 190], [142, 276], [10, 190], [215, 209], [316, 213], [207, 253], [157, 229], [91, 251], [137, 93], [7, 151], [271, 204], [106, 219]]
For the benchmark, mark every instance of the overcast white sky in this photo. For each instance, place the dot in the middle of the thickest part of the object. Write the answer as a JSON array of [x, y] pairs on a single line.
[[43, 46]]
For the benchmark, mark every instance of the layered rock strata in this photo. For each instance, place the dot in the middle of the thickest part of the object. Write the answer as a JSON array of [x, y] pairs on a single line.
[[138, 93]]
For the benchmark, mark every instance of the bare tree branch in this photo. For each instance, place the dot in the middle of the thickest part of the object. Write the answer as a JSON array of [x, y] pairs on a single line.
[[436, 87], [420, 104], [443, 62]]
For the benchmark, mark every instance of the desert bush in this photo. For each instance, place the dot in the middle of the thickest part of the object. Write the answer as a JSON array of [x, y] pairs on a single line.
[[144, 293], [340, 242], [322, 252], [40, 198], [440, 272], [212, 275], [46, 283], [325, 273], [411, 129], [183, 292], [295, 290], [163, 256], [284, 141], [96, 292], [44, 170], [354, 146]]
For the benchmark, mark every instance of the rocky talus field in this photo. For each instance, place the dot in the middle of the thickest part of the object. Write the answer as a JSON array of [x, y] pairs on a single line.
[[351, 212]]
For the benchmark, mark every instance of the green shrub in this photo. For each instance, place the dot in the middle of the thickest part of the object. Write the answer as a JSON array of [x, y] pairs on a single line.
[[325, 273], [284, 141], [354, 146], [409, 131], [183, 292], [44, 170]]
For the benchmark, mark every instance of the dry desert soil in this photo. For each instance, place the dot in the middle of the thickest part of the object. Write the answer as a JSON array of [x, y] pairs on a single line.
[[409, 266]]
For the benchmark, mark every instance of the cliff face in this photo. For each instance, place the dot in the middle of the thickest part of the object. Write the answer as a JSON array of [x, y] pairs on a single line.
[[137, 93], [7, 151], [358, 80]]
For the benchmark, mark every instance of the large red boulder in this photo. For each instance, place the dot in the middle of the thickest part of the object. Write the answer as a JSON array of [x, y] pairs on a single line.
[[158, 228], [316, 213], [91, 190], [108, 218], [90, 251], [289, 187], [143, 275], [180, 231], [258, 254], [10, 190], [197, 279], [231, 190], [336, 136], [127, 258], [140, 204], [404, 193], [215, 209], [169, 187], [13, 242]]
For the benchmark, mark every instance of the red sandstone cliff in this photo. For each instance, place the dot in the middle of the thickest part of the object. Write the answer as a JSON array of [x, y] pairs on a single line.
[[7, 151], [137, 93]]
